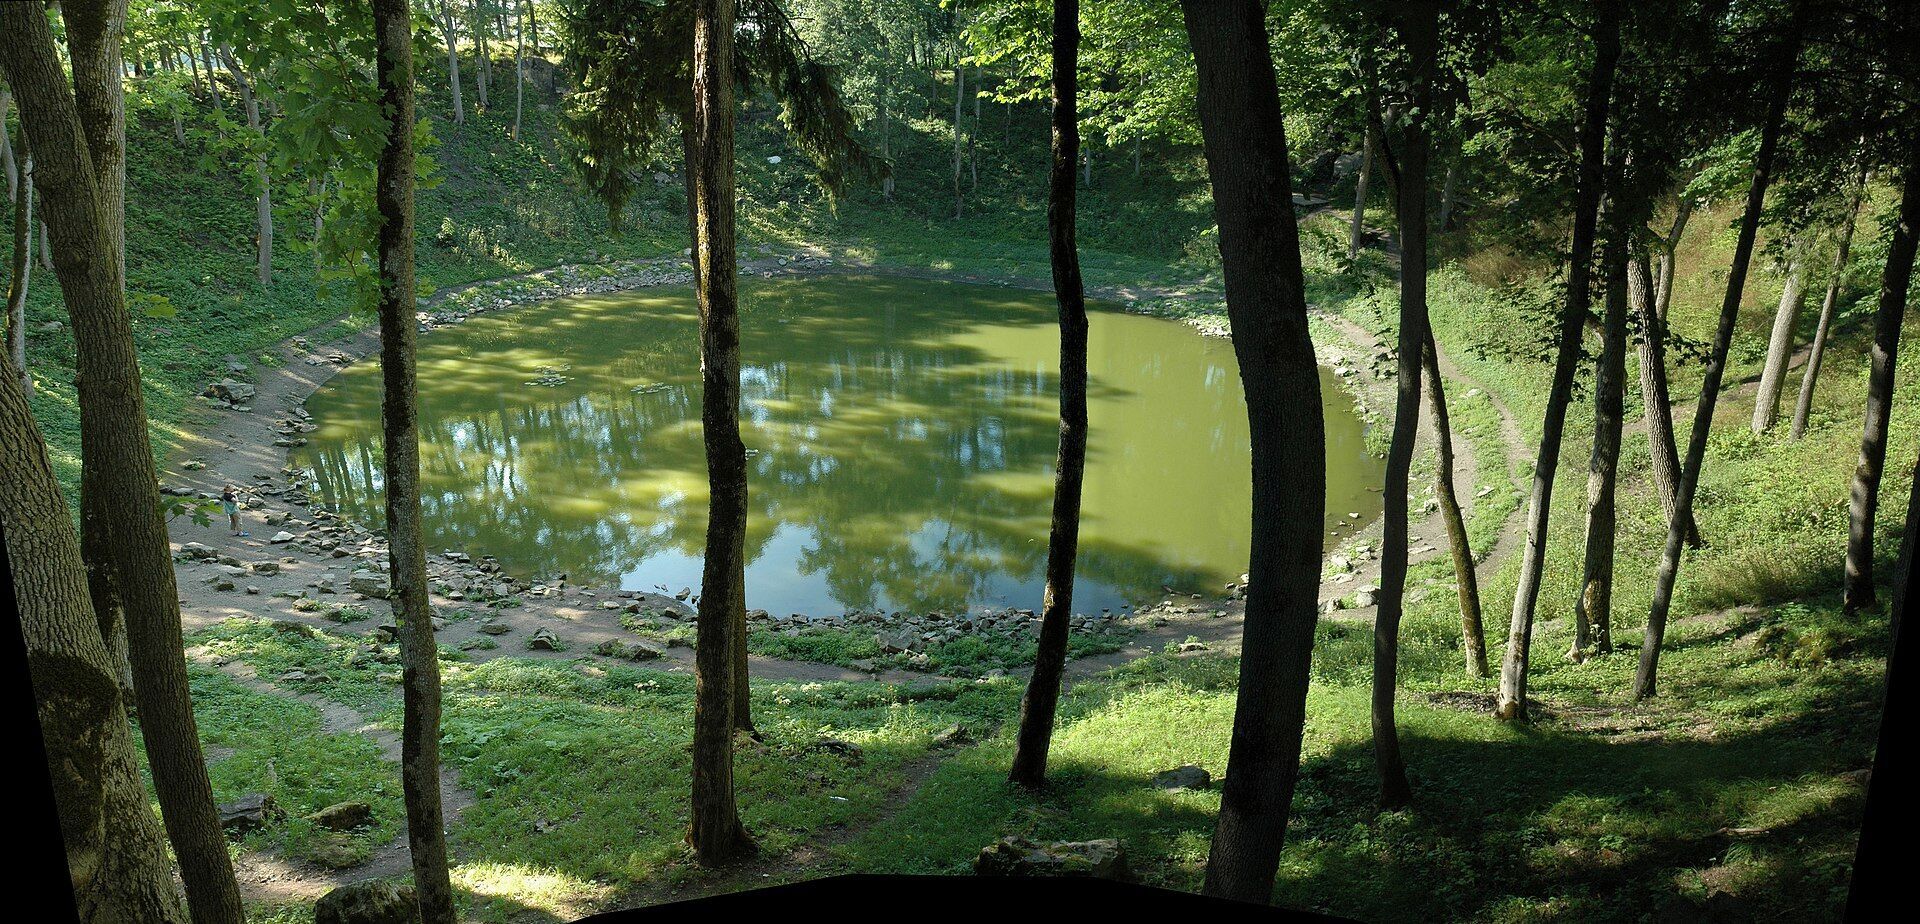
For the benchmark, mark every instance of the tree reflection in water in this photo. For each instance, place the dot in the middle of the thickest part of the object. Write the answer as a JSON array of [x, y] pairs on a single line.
[[902, 435]]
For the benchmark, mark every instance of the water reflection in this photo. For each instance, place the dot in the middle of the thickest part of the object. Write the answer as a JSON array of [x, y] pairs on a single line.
[[901, 436]]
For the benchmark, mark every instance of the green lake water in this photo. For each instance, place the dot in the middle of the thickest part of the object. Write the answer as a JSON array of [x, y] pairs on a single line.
[[901, 438]]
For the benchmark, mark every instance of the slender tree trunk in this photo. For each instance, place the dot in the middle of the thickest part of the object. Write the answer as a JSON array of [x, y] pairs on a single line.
[[213, 82], [1657, 410], [1773, 374], [7, 162], [1063, 542], [519, 74], [886, 149], [973, 136], [1444, 221], [263, 203], [1466, 579], [1360, 193], [76, 134], [46, 247], [453, 61], [1669, 251], [1778, 93], [482, 58], [1858, 593], [959, 95], [400, 432], [1818, 348], [1593, 609], [22, 269], [1244, 132], [1419, 30], [114, 852], [1880, 869], [1512, 703], [716, 833]]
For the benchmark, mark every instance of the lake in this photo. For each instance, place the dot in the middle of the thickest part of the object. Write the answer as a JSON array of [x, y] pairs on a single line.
[[901, 437]]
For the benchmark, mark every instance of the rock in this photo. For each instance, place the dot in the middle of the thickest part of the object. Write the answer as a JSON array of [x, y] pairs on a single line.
[[373, 902], [250, 812], [230, 391], [343, 816], [199, 551], [845, 749], [266, 567], [897, 642], [1187, 777], [1194, 646], [544, 640], [1017, 856], [335, 850], [950, 736], [495, 627], [1366, 596], [281, 536], [371, 583], [646, 650]]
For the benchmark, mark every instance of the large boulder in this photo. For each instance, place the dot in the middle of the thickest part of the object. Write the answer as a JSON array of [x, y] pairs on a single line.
[[368, 903], [1017, 856], [369, 582], [230, 391]]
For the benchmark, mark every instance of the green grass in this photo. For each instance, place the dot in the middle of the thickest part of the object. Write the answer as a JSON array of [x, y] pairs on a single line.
[[965, 656]]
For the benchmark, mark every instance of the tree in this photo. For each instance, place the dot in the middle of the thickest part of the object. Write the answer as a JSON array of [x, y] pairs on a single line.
[[1037, 707], [1467, 580], [1593, 609], [1779, 89], [1773, 372], [1418, 26], [1817, 348], [263, 201], [114, 851], [716, 833], [400, 433], [1512, 702], [75, 131], [1857, 592], [22, 270], [1246, 151], [453, 60], [519, 64], [1356, 228]]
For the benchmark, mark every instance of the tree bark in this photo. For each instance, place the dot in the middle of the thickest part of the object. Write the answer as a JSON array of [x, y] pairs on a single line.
[[1880, 868], [1773, 373], [519, 74], [1593, 609], [263, 203], [1858, 592], [482, 59], [22, 269], [129, 552], [1780, 89], [1419, 26], [7, 162], [1360, 192], [1657, 410], [1512, 702], [1244, 133], [114, 852], [453, 61], [1669, 250], [1037, 708], [716, 833], [400, 433], [1818, 348], [1466, 579], [959, 95]]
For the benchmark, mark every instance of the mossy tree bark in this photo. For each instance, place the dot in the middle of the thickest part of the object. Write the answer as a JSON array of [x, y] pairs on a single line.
[[1593, 609], [1037, 707], [127, 545], [716, 833], [1466, 579], [400, 433], [1816, 350], [1512, 701], [1864, 501], [1773, 372], [1779, 91], [1662, 451], [114, 850], [1244, 132]]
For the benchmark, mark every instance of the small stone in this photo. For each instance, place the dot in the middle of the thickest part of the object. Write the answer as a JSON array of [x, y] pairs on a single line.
[[281, 536], [544, 640], [343, 816], [1185, 777], [249, 813]]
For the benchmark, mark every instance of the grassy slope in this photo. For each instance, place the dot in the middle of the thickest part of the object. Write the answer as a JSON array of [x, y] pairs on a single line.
[[1606, 811]]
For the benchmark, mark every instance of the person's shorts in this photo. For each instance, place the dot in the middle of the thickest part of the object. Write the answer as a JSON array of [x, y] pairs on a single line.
[[229, 507]]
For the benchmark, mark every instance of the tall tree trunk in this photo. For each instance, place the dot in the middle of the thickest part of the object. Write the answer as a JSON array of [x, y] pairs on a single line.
[[213, 82], [1245, 139], [1512, 702], [1593, 609], [716, 833], [1419, 26], [7, 162], [1360, 192], [482, 59], [1880, 869], [1779, 91], [973, 136], [1466, 579], [400, 433], [76, 135], [1857, 593], [519, 73], [22, 269], [886, 148], [959, 95], [1669, 253], [1069, 468], [1657, 406], [263, 203], [1773, 374], [1444, 220], [114, 852], [453, 60], [1818, 348]]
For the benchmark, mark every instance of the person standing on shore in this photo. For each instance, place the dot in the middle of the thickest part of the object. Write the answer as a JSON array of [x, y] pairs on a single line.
[[230, 505]]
